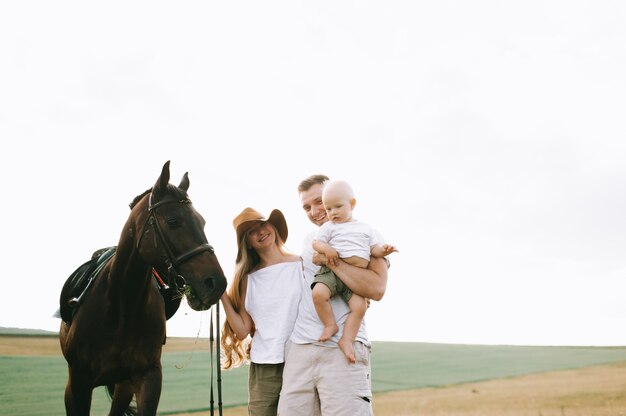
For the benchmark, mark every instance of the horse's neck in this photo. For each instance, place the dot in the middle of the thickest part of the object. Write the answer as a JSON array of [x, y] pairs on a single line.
[[129, 281]]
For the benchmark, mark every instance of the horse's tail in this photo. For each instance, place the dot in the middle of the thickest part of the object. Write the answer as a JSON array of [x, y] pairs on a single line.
[[131, 411]]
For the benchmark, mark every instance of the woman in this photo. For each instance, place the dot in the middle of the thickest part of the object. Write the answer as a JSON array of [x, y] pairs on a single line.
[[262, 302]]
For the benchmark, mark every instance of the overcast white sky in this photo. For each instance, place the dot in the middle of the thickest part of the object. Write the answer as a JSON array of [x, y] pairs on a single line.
[[485, 139]]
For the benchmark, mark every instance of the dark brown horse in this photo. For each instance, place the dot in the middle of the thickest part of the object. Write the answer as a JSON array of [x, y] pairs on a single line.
[[115, 337]]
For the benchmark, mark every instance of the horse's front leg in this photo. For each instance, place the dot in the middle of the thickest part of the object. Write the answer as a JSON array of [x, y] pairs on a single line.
[[148, 391], [78, 392]]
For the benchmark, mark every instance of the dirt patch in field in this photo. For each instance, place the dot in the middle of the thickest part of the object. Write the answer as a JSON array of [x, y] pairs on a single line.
[[591, 391], [186, 344], [49, 345], [29, 345]]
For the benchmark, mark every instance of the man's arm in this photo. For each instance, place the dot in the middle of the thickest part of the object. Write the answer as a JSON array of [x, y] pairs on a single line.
[[370, 283]]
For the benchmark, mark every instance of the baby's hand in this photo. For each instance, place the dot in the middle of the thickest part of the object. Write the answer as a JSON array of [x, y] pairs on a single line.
[[319, 258], [332, 257], [388, 249]]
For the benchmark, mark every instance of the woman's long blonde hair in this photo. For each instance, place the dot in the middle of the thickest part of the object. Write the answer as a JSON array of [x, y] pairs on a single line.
[[236, 352]]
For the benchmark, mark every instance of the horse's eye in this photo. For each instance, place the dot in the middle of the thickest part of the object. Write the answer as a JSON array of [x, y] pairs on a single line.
[[172, 222]]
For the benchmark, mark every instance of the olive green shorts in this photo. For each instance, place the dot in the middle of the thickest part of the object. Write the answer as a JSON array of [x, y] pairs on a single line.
[[330, 279], [264, 384]]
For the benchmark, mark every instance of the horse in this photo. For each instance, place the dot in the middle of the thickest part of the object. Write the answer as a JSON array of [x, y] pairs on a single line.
[[117, 332]]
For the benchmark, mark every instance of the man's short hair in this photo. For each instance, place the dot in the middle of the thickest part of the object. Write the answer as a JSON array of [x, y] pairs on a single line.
[[306, 184]]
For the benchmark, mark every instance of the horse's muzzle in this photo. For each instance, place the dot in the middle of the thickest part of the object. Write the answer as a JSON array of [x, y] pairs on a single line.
[[208, 294]]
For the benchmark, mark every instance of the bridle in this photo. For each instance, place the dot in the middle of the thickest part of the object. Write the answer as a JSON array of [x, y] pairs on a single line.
[[171, 260]]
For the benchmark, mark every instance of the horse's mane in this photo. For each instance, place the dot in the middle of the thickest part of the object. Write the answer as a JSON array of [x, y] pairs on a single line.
[[179, 194], [138, 198]]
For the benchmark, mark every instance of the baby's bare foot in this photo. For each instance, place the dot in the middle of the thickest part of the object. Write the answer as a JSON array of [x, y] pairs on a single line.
[[328, 332], [348, 350]]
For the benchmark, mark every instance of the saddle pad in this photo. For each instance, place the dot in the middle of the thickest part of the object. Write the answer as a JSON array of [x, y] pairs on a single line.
[[78, 281]]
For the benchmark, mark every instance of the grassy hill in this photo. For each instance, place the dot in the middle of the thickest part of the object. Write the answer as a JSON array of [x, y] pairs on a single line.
[[395, 366], [26, 331]]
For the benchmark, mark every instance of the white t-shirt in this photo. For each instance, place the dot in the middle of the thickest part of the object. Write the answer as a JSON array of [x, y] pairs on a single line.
[[354, 238], [308, 326], [272, 299]]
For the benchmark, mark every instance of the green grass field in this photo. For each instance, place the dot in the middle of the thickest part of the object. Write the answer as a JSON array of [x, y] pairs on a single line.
[[34, 385]]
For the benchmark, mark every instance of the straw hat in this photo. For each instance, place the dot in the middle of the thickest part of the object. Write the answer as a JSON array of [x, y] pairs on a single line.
[[249, 216]]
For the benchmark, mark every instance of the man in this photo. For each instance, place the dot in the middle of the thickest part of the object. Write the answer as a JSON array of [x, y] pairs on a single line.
[[317, 378]]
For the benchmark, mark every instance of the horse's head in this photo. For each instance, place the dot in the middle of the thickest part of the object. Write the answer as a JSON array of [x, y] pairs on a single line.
[[170, 237]]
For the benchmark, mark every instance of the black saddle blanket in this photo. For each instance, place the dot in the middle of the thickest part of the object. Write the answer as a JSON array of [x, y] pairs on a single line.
[[80, 281]]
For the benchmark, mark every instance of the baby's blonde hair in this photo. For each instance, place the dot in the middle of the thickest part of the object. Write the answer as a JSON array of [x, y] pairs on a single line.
[[338, 187]]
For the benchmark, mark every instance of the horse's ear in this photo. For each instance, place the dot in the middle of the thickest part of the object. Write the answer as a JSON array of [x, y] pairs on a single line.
[[184, 183], [164, 179]]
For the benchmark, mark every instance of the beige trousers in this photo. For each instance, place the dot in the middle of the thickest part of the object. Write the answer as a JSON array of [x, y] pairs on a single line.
[[318, 380]]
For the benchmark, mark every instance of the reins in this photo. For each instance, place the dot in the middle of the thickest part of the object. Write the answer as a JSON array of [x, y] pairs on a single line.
[[217, 361]]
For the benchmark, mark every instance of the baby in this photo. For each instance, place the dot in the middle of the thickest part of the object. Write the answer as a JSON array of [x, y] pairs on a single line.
[[352, 241]]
